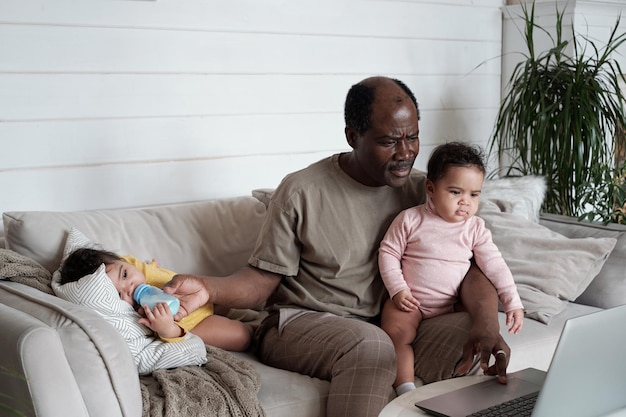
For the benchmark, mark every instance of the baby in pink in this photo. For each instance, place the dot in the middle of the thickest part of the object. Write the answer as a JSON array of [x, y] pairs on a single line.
[[426, 253]]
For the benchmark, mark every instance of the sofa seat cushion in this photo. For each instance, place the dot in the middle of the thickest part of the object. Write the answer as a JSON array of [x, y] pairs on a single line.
[[210, 237], [282, 391], [535, 344]]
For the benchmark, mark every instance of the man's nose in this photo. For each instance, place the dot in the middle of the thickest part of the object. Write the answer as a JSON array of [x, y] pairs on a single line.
[[404, 149]]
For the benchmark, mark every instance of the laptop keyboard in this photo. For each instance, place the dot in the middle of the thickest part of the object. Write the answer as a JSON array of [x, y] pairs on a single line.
[[522, 406]]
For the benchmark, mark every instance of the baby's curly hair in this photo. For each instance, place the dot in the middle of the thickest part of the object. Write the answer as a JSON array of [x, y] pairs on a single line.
[[85, 261], [454, 154]]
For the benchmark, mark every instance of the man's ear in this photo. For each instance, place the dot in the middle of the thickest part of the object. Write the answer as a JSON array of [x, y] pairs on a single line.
[[351, 136]]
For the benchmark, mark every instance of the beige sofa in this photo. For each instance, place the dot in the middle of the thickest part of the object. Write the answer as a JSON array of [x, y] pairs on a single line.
[[76, 364]]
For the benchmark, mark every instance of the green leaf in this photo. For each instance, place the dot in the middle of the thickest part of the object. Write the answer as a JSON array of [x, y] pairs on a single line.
[[561, 117]]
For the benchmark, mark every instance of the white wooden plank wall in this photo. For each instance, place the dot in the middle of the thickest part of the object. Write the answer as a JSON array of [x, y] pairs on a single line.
[[121, 103], [592, 19]]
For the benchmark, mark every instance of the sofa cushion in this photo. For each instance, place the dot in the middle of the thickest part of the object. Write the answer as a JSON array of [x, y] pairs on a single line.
[[281, 390], [608, 289], [525, 194], [209, 238], [549, 269]]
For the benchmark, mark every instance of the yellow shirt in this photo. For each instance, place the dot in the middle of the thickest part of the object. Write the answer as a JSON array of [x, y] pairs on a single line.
[[159, 277]]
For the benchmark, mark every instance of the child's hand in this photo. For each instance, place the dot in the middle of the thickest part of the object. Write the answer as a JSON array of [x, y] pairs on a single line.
[[405, 301], [515, 320], [160, 321]]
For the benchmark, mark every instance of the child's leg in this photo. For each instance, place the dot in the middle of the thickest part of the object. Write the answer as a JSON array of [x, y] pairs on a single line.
[[401, 327], [222, 332]]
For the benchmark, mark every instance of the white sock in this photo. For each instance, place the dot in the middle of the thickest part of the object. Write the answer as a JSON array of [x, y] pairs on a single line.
[[404, 387]]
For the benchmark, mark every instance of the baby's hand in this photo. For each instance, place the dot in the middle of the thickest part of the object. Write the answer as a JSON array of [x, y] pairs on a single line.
[[405, 301], [160, 321], [515, 320]]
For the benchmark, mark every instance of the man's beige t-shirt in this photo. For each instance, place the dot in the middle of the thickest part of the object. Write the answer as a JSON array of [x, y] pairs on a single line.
[[322, 233]]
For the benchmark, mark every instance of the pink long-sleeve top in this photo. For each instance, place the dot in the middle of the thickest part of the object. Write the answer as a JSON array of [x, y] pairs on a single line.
[[430, 256]]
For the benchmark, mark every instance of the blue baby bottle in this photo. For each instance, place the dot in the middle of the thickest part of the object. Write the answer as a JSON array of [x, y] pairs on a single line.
[[150, 295]]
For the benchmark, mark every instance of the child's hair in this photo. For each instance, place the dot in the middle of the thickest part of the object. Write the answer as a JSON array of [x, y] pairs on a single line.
[[83, 262], [454, 154]]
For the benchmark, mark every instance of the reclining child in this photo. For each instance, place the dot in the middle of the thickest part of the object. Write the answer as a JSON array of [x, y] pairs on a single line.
[[105, 282]]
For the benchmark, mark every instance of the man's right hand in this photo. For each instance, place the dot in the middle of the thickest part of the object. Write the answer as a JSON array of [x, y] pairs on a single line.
[[190, 290], [485, 345], [247, 287], [480, 299]]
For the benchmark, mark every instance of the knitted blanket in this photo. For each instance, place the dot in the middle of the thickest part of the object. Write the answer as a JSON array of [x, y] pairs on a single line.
[[224, 386], [19, 268]]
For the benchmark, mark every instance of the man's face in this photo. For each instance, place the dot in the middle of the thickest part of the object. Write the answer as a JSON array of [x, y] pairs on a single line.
[[385, 153]]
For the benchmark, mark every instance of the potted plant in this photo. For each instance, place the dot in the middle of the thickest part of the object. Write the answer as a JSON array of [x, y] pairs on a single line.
[[561, 118]]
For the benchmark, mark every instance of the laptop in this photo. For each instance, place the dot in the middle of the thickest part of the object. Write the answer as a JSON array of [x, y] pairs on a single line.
[[586, 377]]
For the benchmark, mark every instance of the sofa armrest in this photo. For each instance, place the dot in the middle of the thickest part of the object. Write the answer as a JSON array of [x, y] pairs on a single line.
[[73, 361], [39, 366], [608, 289]]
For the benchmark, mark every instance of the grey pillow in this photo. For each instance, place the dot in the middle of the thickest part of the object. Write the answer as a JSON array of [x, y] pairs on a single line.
[[213, 237], [548, 268], [608, 289]]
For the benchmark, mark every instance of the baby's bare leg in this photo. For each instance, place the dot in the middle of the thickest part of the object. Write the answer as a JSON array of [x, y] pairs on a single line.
[[224, 333], [401, 326]]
